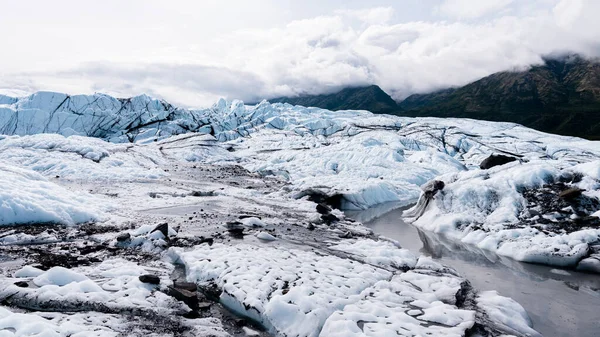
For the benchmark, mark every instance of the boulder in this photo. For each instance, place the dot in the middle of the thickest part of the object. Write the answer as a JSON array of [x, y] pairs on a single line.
[[570, 193], [432, 187], [189, 286], [495, 160], [123, 237], [323, 208], [163, 228], [149, 278], [188, 297]]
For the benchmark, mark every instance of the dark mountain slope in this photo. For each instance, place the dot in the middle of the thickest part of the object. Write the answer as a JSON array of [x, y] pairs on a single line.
[[562, 96], [370, 98]]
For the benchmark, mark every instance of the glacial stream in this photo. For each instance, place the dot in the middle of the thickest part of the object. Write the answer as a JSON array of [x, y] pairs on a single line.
[[559, 302]]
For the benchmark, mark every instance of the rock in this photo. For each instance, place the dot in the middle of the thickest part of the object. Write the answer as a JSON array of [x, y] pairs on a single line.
[[234, 225], [210, 241], [188, 297], [22, 284], [329, 218], [189, 286], [204, 305], [432, 187], [570, 193], [335, 201], [235, 228], [323, 208], [123, 237], [149, 278], [245, 216], [310, 227], [202, 194], [495, 160], [346, 235], [163, 228], [588, 220]]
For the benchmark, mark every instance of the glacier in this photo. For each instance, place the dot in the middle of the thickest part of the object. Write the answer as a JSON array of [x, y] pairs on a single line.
[[129, 165]]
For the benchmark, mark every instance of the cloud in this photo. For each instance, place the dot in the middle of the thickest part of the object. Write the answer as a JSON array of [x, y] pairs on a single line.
[[377, 15], [325, 53], [469, 9]]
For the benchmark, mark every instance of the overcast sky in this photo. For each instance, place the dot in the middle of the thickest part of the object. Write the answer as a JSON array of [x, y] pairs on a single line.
[[192, 52]]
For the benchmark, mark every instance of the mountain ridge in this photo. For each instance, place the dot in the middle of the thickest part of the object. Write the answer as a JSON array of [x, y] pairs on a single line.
[[371, 98], [561, 96]]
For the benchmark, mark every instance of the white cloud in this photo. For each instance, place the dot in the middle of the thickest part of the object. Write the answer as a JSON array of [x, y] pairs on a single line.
[[377, 15], [309, 55], [471, 9]]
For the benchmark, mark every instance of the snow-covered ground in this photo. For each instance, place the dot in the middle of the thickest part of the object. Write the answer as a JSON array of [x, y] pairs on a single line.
[[128, 165]]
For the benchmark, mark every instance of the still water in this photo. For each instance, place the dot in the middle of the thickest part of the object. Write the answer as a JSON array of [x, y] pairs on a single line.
[[559, 302]]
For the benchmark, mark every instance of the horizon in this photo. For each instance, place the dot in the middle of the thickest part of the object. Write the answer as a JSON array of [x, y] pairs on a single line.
[[191, 54]]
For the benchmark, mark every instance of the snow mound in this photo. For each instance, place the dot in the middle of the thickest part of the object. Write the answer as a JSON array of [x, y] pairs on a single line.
[[516, 210], [110, 287], [27, 197], [81, 158], [95, 324], [305, 293]]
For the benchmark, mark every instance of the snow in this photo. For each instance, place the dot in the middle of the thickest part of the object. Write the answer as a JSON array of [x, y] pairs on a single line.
[[55, 144], [289, 290], [308, 293], [81, 158], [110, 287], [507, 313], [27, 197], [93, 324], [265, 236], [58, 276], [484, 208], [28, 271]]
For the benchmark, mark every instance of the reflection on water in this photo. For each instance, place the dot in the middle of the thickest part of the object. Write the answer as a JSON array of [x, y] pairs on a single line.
[[560, 303]]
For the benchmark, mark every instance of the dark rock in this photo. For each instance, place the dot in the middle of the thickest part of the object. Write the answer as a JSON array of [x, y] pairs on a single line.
[[151, 279], [189, 286], [246, 216], [587, 220], [234, 225], [202, 194], [186, 296], [204, 305], [495, 160], [316, 196], [22, 284], [210, 241], [431, 188], [240, 322], [163, 228], [323, 208], [192, 314], [90, 249], [329, 218], [211, 291], [570, 193], [346, 235], [235, 229], [311, 227], [123, 237]]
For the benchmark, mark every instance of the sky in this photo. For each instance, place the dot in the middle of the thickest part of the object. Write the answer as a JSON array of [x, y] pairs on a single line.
[[191, 53]]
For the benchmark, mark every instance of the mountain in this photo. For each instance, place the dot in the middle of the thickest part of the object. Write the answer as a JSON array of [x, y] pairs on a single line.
[[561, 96], [370, 98]]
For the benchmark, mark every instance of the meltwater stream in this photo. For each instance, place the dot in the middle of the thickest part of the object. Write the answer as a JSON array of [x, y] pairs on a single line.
[[559, 302]]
